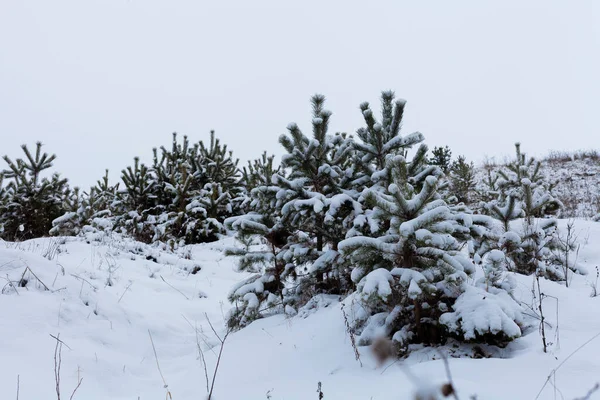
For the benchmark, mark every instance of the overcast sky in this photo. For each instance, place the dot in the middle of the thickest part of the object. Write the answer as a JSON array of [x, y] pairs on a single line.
[[101, 81]]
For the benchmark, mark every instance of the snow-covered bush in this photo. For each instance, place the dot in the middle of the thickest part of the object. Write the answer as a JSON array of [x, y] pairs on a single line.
[[481, 315]]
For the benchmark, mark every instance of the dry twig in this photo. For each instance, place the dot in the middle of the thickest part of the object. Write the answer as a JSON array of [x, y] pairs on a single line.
[[173, 287], [222, 340], [168, 395], [36, 277]]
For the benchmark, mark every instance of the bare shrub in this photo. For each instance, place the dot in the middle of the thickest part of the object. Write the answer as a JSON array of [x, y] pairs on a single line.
[[351, 332]]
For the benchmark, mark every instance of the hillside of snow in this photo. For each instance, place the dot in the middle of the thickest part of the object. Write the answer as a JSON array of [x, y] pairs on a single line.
[[110, 299], [577, 185], [577, 180]]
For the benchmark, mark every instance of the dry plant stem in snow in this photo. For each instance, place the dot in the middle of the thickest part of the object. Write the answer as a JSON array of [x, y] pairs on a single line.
[[10, 284], [568, 244], [168, 393], [57, 367], [553, 372], [542, 327], [173, 287], [350, 331], [22, 280], [222, 340], [125, 291]]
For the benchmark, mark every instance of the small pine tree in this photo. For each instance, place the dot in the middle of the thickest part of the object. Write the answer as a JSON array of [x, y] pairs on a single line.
[[220, 194], [522, 192], [183, 198], [259, 173], [87, 210], [441, 156], [137, 201], [411, 276], [103, 197], [264, 291], [266, 250], [523, 180], [70, 223], [362, 216], [32, 201], [315, 203], [462, 179]]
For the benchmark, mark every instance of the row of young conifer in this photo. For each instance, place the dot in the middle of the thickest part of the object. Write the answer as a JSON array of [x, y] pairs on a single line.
[[371, 217]]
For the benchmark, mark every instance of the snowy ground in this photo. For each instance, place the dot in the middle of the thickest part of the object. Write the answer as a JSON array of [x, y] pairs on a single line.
[[106, 329]]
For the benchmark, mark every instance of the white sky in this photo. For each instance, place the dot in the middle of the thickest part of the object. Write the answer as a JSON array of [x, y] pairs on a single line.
[[100, 81]]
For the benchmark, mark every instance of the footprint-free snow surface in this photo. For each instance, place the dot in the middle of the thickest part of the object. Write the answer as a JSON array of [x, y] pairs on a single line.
[[109, 301]]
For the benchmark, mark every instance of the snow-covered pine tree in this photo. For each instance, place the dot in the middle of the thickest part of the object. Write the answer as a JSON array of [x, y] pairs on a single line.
[[103, 197], [462, 179], [258, 193], [137, 202], [523, 179], [300, 213], [259, 173], [442, 157], [317, 204], [411, 277], [221, 194], [522, 192], [32, 201], [263, 291], [265, 250], [380, 140], [75, 216], [91, 210], [183, 197], [177, 182]]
